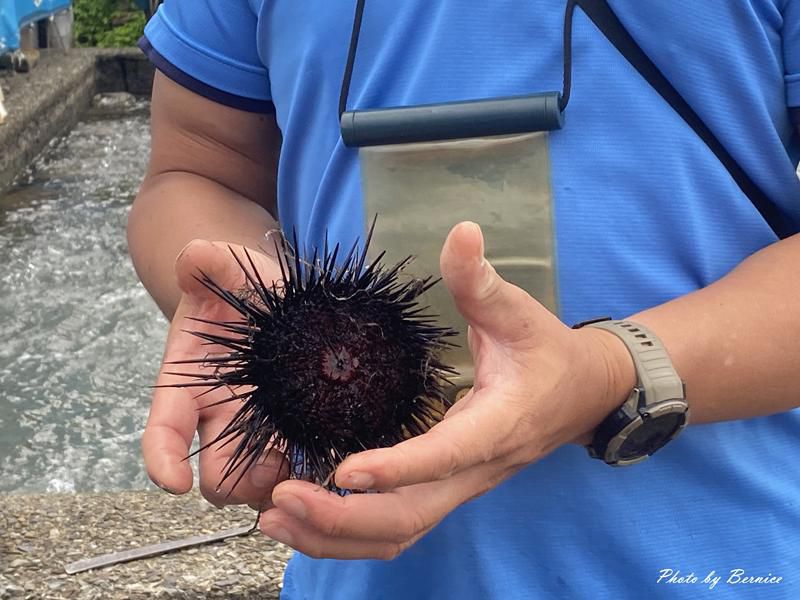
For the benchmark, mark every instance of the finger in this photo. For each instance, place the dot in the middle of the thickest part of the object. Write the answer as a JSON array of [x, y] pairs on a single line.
[[173, 415], [327, 524], [467, 438], [247, 484], [481, 295], [212, 259], [164, 451], [252, 486], [172, 422], [293, 532], [389, 517]]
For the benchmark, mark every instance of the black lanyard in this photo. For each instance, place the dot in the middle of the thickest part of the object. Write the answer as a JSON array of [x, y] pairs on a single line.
[[563, 98]]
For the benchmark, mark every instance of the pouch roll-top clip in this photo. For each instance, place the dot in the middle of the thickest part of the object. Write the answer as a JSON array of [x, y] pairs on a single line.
[[452, 120]]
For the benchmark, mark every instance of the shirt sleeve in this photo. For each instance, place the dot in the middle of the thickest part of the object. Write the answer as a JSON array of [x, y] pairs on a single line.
[[791, 52], [211, 48]]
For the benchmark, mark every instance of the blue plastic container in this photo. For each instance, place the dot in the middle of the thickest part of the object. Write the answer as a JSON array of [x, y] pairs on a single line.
[[15, 14]]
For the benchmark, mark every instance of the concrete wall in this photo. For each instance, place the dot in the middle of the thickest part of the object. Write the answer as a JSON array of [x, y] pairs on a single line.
[[49, 100]]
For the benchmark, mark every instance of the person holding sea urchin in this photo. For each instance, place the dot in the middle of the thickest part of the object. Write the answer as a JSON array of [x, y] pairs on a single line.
[[680, 225]]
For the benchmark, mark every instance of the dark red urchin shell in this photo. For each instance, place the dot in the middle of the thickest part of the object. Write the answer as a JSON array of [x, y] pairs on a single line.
[[338, 358]]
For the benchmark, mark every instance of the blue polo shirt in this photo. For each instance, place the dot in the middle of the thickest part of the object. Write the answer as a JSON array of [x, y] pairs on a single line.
[[644, 212]]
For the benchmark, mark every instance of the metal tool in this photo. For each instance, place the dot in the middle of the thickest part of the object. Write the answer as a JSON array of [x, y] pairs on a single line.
[[114, 558]]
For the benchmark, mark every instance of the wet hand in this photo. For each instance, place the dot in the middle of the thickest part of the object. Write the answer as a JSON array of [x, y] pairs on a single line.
[[176, 413], [538, 385]]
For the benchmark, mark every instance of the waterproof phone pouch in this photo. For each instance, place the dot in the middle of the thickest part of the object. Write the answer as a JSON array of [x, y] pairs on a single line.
[[419, 191], [426, 168]]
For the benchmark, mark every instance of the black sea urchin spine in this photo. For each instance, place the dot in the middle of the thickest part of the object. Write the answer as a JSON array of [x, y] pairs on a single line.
[[334, 358]]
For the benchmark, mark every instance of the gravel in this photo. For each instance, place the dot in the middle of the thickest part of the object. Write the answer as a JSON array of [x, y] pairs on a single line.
[[41, 533]]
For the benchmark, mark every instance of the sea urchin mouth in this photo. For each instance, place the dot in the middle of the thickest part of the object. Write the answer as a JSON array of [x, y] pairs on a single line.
[[335, 358], [338, 364]]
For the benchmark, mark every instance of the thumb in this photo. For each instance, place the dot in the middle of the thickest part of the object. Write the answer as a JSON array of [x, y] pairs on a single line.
[[213, 259], [485, 299]]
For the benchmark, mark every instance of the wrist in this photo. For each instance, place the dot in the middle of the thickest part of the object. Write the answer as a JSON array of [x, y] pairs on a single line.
[[613, 371]]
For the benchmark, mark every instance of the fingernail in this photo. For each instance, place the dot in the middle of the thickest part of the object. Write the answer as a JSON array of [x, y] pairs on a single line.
[[476, 230], [277, 533], [359, 481], [165, 488], [261, 476], [182, 252], [292, 505]]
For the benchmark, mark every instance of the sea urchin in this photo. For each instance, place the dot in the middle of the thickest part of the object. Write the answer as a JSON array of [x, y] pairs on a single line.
[[332, 359]]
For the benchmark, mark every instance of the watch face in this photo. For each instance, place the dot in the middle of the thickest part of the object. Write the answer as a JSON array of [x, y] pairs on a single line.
[[651, 435]]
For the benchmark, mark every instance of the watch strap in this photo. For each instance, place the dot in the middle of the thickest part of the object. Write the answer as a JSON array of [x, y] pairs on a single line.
[[654, 371]]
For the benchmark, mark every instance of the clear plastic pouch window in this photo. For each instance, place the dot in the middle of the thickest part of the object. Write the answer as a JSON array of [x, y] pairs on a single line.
[[420, 191]]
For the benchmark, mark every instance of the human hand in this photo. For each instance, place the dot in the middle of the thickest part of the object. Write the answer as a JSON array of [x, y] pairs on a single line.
[[176, 413], [538, 385]]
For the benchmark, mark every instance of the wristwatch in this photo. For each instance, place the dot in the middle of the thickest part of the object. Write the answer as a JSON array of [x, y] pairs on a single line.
[[656, 410]]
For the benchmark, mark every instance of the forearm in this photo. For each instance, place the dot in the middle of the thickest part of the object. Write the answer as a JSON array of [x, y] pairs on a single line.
[[174, 208], [736, 342]]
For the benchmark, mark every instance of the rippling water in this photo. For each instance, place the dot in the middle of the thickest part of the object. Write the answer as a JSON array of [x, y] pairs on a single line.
[[81, 338]]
